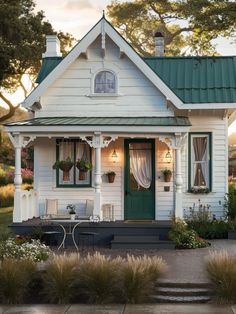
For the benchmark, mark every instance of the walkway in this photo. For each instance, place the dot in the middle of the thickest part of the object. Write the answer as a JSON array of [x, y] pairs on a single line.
[[119, 309]]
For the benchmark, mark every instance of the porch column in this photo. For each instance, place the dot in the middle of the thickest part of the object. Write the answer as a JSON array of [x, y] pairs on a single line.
[[178, 185], [97, 175], [17, 213]]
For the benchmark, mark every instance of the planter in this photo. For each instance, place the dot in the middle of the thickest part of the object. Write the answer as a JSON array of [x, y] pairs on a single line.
[[111, 178], [82, 174], [66, 175], [167, 177], [232, 234], [72, 216]]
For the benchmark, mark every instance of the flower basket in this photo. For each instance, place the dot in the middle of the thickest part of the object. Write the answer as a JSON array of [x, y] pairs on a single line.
[[65, 166], [167, 173], [111, 176], [82, 174], [84, 166]]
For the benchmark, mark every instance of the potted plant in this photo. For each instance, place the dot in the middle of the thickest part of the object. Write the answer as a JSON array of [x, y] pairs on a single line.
[[65, 166], [167, 175], [72, 212], [84, 166], [111, 176]]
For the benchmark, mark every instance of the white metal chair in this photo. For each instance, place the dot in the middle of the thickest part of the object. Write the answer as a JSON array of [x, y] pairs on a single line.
[[108, 212], [89, 207], [51, 208]]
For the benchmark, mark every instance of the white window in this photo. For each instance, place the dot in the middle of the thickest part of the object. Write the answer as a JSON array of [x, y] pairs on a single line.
[[200, 157], [105, 82]]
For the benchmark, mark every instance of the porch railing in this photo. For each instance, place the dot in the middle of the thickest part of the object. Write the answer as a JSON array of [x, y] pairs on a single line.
[[28, 204]]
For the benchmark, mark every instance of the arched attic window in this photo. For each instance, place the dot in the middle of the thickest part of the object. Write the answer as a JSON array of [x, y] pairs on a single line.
[[105, 82]]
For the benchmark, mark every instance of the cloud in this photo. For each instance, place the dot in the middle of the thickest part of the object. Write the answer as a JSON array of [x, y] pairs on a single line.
[[77, 5]]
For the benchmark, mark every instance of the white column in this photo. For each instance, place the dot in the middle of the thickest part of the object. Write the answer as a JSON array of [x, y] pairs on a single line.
[[97, 175], [17, 213], [178, 185]]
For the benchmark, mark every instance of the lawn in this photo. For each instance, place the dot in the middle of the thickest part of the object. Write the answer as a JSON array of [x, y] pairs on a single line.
[[5, 218]]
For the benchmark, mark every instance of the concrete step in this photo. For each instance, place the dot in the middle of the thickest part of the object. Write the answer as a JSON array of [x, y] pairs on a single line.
[[182, 291], [180, 299], [136, 238], [199, 285]]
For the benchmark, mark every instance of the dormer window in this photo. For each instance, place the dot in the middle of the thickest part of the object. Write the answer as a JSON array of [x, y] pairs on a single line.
[[105, 83]]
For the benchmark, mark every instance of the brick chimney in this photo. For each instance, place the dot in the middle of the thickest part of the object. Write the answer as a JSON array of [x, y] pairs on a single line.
[[52, 47], [159, 44]]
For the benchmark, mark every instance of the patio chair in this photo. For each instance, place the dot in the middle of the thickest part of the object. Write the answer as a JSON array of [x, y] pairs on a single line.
[[89, 206], [52, 208]]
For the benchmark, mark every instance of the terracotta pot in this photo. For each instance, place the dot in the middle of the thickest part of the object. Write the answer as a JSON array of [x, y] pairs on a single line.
[[66, 175], [111, 178], [167, 177], [82, 174]]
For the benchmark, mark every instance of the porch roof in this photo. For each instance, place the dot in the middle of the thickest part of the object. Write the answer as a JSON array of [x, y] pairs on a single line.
[[105, 121]]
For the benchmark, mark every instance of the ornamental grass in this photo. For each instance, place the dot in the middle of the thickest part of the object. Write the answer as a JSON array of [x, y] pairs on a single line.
[[15, 277], [99, 278], [221, 269], [60, 278], [139, 276]]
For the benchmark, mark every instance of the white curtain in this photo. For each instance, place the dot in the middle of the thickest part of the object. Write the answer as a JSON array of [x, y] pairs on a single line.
[[66, 150], [141, 165], [200, 166], [105, 82]]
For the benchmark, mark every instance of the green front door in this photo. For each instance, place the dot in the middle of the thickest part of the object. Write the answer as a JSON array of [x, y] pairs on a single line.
[[139, 179]]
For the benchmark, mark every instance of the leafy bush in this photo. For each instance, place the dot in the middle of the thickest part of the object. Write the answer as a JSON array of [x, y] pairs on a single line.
[[185, 238], [15, 277], [60, 277], [24, 249], [99, 278], [27, 176], [221, 269], [230, 203], [139, 276]]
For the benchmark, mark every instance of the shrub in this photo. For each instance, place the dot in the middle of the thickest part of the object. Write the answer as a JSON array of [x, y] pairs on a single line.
[[230, 203], [99, 278], [60, 277], [221, 269], [139, 275], [24, 249], [185, 238], [15, 277], [27, 176]]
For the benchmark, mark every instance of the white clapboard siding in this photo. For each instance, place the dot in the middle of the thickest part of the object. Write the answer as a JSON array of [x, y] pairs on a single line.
[[70, 94]]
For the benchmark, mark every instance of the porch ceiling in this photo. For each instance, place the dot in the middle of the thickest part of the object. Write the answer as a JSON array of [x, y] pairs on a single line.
[[101, 121]]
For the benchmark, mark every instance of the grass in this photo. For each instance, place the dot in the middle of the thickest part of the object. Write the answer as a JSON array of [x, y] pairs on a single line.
[[5, 218]]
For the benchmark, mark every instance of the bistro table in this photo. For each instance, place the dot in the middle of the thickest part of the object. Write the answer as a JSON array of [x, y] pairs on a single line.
[[73, 224]]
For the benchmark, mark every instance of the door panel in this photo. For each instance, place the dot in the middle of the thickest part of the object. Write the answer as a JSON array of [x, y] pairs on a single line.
[[139, 179]]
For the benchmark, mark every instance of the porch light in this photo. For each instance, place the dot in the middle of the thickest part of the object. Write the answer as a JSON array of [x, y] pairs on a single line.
[[168, 157], [114, 156]]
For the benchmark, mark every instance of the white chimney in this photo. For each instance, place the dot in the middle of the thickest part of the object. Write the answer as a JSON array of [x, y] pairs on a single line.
[[52, 47], [159, 44]]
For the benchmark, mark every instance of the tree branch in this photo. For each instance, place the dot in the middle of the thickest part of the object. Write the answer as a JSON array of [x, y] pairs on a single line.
[[12, 108], [23, 87]]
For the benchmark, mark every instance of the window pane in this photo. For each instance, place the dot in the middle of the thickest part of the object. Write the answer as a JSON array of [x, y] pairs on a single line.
[[66, 154], [200, 161], [105, 82], [82, 152]]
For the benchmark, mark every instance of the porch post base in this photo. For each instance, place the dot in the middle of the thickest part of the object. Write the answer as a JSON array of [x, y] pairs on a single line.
[[178, 205], [97, 205]]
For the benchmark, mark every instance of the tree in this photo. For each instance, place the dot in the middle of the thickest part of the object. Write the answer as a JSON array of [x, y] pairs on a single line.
[[22, 42], [189, 26]]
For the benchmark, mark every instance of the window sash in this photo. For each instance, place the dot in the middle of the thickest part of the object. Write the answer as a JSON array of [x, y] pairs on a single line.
[[105, 82], [74, 172], [193, 164]]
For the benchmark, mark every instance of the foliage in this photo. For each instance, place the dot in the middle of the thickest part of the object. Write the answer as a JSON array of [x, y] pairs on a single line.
[[167, 172], [111, 173], [139, 276], [221, 269], [5, 221], [59, 278], [185, 238], [99, 277], [7, 194], [199, 190], [204, 20], [64, 165], [22, 38], [230, 203], [84, 164], [15, 277], [21, 249]]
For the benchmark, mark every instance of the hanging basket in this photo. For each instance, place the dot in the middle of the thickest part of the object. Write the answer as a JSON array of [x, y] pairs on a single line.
[[66, 175], [111, 178], [167, 177], [82, 174]]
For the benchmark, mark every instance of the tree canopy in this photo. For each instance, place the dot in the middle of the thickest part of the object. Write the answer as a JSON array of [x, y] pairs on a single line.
[[189, 26], [22, 42]]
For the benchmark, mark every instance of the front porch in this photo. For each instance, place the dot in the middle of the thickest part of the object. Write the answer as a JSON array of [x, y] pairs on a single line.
[[102, 141]]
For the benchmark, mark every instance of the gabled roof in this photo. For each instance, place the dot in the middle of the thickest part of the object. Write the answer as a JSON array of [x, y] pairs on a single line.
[[198, 79]]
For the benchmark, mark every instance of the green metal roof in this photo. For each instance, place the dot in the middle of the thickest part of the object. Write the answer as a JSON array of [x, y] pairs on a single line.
[[198, 79], [122, 121], [48, 65]]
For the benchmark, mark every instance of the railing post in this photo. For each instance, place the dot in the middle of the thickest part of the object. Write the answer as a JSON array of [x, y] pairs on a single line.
[[97, 174]]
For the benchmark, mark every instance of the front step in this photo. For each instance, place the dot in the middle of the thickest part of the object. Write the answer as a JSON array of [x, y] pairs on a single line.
[[183, 292], [140, 242]]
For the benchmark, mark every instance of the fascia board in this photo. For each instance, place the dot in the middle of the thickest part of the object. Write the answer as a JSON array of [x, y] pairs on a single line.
[[209, 106]]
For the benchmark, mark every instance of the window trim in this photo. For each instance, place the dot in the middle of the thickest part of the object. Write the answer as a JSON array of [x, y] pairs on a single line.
[[58, 184], [104, 94], [190, 136]]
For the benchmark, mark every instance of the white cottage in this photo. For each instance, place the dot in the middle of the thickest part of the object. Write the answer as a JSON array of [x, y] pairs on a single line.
[[104, 104]]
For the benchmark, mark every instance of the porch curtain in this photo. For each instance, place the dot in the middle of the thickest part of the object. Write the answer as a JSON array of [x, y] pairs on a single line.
[[141, 166], [66, 150], [200, 166]]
